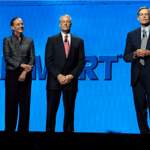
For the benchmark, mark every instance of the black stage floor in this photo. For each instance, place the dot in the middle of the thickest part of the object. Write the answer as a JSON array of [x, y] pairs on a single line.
[[72, 141]]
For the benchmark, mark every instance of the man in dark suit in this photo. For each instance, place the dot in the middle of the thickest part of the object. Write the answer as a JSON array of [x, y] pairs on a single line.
[[137, 52], [65, 60]]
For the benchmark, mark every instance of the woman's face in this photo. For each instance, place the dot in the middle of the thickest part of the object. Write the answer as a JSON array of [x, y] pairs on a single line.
[[18, 26]]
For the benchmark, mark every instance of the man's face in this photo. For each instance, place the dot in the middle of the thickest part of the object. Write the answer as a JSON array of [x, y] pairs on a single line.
[[18, 26], [144, 16], [65, 24]]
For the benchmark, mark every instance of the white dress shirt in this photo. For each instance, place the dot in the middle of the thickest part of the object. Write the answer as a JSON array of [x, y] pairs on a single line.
[[147, 29], [69, 37]]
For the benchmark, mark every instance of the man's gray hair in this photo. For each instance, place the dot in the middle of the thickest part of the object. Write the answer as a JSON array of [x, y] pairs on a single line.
[[66, 16]]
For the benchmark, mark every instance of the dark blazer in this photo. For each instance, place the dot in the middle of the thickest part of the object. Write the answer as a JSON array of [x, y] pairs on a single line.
[[57, 63], [16, 52], [133, 43]]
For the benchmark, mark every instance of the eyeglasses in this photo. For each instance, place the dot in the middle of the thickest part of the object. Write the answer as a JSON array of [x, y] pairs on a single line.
[[146, 14], [65, 22]]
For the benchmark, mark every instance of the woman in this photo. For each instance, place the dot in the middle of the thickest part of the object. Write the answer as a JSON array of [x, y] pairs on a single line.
[[19, 56]]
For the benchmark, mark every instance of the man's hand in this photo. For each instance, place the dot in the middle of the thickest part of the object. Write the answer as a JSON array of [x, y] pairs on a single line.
[[65, 79], [69, 78], [141, 53], [62, 79], [27, 68], [22, 77]]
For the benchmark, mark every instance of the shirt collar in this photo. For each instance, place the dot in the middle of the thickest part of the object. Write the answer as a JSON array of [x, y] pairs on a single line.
[[63, 35], [14, 35], [147, 29]]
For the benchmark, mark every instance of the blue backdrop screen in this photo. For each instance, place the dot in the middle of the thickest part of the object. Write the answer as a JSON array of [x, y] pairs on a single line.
[[104, 101]]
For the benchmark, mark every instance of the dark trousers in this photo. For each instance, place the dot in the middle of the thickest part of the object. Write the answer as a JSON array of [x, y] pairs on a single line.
[[141, 92], [53, 99], [17, 93]]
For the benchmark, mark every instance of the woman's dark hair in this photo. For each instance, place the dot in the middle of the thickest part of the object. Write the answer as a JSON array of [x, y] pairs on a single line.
[[12, 21]]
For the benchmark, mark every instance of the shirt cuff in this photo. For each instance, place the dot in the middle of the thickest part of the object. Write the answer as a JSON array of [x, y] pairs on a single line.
[[134, 57]]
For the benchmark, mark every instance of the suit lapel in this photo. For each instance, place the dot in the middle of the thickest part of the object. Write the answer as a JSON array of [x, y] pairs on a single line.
[[138, 38], [148, 42], [73, 41], [60, 43]]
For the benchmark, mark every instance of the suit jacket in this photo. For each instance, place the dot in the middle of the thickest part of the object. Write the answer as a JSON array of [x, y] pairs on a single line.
[[57, 63], [16, 52], [133, 43]]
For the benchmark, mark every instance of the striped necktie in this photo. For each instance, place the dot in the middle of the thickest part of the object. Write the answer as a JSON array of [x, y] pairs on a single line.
[[143, 45]]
